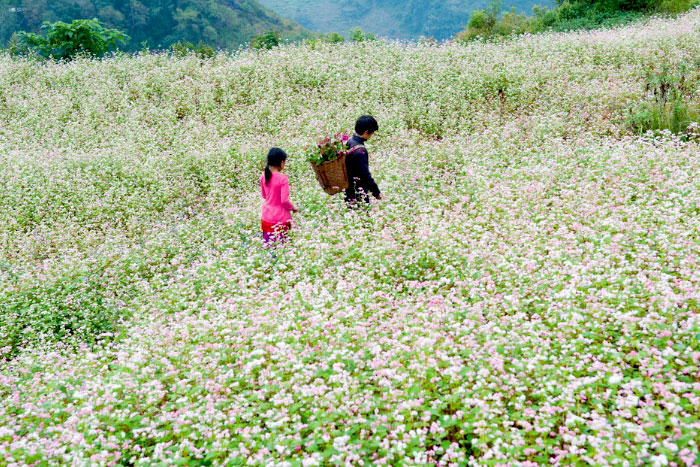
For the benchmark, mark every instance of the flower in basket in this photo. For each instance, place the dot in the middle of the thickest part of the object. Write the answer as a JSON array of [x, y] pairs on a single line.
[[328, 148]]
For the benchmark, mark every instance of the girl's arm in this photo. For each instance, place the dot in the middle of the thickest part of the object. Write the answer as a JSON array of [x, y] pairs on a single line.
[[285, 196], [263, 190]]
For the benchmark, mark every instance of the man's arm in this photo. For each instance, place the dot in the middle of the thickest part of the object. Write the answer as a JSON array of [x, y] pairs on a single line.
[[366, 176]]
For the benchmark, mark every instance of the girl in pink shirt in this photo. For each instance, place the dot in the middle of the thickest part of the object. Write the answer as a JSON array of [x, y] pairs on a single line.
[[277, 209]]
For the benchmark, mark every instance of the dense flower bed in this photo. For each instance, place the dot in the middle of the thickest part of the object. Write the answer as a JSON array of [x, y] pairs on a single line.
[[526, 293]]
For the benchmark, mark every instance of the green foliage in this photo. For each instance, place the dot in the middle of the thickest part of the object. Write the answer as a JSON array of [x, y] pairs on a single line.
[[157, 23], [74, 307], [64, 41], [493, 22], [567, 15], [480, 20], [357, 35], [676, 116], [182, 49], [327, 38], [668, 83], [266, 41], [671, 101], [16, 46], [677, 6], [586, 19], [333, 38]]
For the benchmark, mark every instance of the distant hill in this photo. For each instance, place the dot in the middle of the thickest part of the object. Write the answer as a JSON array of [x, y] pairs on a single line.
[[158, 23], [400, 19]]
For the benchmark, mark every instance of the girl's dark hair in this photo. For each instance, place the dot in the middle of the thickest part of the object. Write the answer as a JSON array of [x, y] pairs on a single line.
[[275, 157], [366, 123]]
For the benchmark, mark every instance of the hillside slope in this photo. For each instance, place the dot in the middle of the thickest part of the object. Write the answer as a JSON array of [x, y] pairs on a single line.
[[527, 292], [157, 23], [405, 19]]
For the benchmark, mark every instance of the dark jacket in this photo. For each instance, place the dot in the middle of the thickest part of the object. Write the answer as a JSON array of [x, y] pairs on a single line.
[[359, 177]]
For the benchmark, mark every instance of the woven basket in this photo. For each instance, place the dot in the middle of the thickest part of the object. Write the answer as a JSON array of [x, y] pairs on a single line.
[[332, 175]]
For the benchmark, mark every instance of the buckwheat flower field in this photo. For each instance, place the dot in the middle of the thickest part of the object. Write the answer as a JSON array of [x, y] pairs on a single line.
[[526, 294]]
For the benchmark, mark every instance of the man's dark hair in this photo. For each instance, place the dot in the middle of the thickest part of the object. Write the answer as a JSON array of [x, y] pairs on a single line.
[[366, 123]]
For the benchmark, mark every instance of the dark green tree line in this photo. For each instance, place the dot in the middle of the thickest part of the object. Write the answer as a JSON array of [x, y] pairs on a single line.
[[154, 23], [567, 15]]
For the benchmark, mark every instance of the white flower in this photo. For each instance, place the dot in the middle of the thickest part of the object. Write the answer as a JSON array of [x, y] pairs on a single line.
[[615, 379], [670, 446], [310, 462]]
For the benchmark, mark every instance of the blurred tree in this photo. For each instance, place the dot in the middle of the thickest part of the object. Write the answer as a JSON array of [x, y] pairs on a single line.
[[266, 41], [64, 41], [157, 23]]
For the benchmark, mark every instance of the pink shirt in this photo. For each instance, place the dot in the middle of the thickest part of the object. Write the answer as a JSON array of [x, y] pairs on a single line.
[[277, 207]]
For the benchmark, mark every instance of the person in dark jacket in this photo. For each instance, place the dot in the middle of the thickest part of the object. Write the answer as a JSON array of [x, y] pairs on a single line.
[[362, 185]]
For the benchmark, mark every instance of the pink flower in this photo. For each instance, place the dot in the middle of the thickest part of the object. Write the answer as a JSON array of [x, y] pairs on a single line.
[[687, 457]]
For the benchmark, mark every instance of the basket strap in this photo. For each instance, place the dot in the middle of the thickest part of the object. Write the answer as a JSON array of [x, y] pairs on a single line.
[[352, 149]]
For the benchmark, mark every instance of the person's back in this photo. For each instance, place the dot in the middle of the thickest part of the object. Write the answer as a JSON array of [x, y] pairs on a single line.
[[361, 183], [277, 210]]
